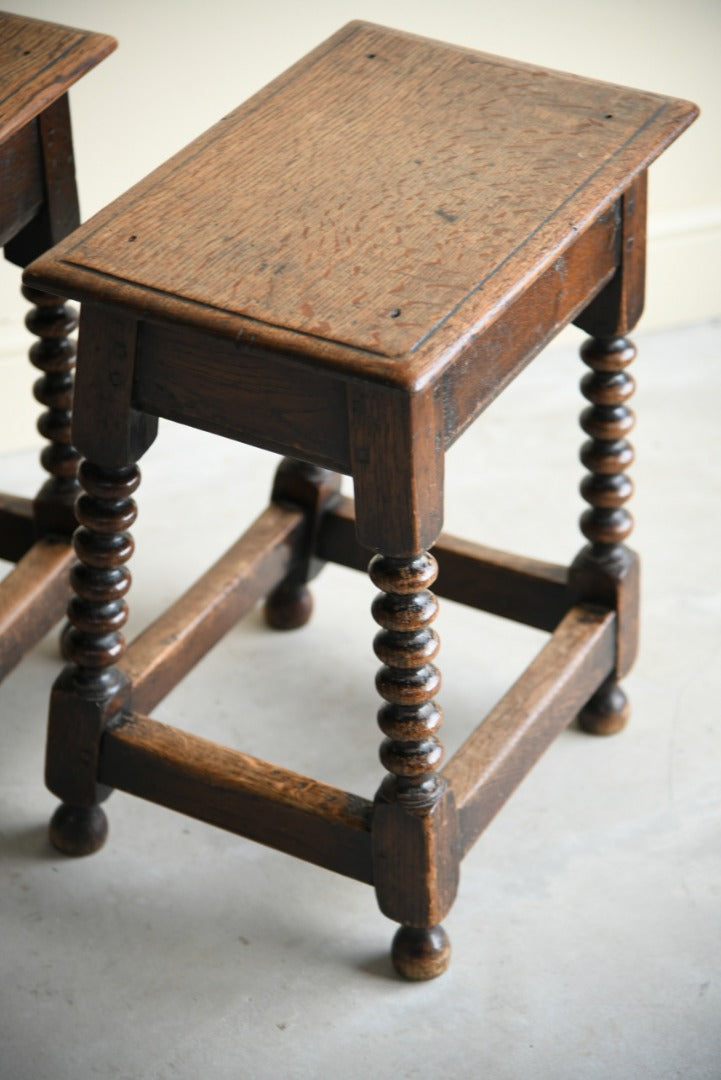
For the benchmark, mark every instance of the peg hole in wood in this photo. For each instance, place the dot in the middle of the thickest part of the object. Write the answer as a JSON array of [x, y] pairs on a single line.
[[395, 313]]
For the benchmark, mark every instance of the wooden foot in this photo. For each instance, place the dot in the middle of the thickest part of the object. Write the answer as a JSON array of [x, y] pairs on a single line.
[[420, 953], [289, 607], [606, 712], [78, 830]]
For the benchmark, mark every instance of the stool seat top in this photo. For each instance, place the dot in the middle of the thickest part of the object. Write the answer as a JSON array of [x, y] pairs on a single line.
[[373, 207], [39, 61]]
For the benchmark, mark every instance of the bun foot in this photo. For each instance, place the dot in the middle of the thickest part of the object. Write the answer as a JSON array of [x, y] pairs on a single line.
[[289, 607], [78, 830], [606, 712], [420, 953]]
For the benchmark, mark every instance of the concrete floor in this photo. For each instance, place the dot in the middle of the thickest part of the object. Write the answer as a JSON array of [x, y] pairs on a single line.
[[587, 932]]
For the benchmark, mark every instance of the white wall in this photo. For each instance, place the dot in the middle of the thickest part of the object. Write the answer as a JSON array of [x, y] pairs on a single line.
[[182, 63]]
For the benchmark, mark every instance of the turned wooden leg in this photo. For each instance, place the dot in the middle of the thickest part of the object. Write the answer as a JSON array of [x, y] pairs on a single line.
[[313, 489], [606, 488], [415, 849], [91, 690], [52, 322]]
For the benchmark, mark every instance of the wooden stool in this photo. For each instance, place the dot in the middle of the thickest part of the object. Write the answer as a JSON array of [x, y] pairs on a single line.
[[347, 270], [39, 61]]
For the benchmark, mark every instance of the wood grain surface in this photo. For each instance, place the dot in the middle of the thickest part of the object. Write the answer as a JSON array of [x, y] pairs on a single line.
[[38, 62], [382, 197]]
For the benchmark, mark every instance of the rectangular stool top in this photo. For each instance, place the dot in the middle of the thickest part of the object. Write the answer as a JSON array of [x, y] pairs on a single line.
[[39, 61], [372, 207]]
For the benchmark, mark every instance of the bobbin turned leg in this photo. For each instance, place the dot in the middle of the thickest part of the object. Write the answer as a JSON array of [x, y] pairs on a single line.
[[91, 691], [605, 570], [414, 825], [52, 321], [313, 489]]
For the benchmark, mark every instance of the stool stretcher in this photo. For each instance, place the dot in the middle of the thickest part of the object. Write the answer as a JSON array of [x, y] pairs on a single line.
[[299, 815], [541, 703], [525, 590], [224, 787], [33, 598], [330, 827], [159, 657]]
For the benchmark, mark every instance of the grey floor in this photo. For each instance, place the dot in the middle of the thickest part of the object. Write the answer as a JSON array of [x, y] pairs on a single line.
[[587, 932]]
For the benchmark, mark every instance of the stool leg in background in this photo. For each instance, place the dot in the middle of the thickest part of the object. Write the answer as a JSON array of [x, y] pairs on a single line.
[[312, 489], [606, 487]]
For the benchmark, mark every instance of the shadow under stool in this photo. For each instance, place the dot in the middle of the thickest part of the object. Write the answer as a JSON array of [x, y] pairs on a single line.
[[347, 270], [39, 61]]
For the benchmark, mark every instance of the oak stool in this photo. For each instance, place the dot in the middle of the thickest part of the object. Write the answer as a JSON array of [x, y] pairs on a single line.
[[347, 270], [39, 61]]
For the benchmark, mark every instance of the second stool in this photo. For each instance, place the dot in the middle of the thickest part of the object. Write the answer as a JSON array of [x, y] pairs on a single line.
[[39, 62]]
